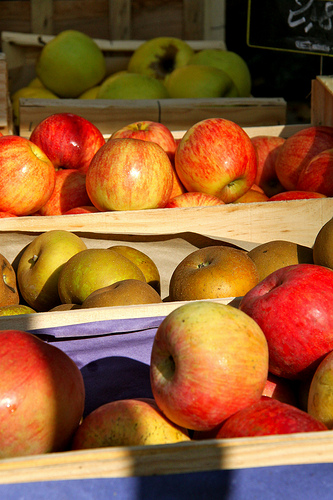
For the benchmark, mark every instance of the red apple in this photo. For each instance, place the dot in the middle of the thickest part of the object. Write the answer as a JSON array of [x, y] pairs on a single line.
[[68, 140], [267, 148], [281, 389], [267, 417], [208, 361], [253, 195], [129, 174], [149, 131], [294, 307], [69, 192], [177, 187], [7, 214], [42, 396], [88, 209], [317, 175], [296, 195], [27, 177], [193, 199], [298, 150], [216, 157]]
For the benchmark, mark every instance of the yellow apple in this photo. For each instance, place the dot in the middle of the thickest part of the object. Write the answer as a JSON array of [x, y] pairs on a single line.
[[90, 93], [124, 85], [92, 269], [13, 310], [40, 264], [29, 93], [9, 294], [213, 272]]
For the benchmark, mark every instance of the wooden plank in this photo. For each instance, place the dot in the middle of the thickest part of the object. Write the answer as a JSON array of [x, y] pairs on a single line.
[[192, 456], [41, 13], [214, 20], [322, 101], [6, 122], [177, 114], [120, 19]]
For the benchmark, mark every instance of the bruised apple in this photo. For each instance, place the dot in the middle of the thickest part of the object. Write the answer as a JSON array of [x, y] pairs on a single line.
[[208, 361], [213, 272]]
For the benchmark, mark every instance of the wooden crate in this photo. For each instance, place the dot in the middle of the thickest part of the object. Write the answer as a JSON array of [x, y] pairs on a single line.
[[6, 122], [322, 101], [118, 19]]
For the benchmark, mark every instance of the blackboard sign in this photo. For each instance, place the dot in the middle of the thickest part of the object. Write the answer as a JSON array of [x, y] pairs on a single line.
[[291, 25]]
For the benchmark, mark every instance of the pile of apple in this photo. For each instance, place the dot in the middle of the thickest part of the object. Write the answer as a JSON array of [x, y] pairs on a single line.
[[67, 166]]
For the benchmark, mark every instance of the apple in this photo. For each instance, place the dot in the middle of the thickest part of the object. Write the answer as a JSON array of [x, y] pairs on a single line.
[[296, 195], [9, 295], [27, 176], [87, 209], [42, 396], [148, 130], [198, 81], [323, 244], [267, 148], [213, 272], [208, 360], [217, 157], [122, 293], [68, 140], [253, 195], [129, 174], [127, 422], [40, 264], [281, 389], [317, 175], [12, 310], [230, 62], [159, 56], [320, 396], [6, 214], [193, 199], [298, 150], [124, 85], [69, 192], [294, 307], [177, 187], [29, 92], [70, 63], [90, 93], [144, 262], [92, 269], [267, 417]]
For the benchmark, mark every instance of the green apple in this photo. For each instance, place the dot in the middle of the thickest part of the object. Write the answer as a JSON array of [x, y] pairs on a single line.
[[198, 81], [92, 269], [29, 92], [14, 310], [232, 63], [40, 264], [144, 262], [159, 56], [71, 63], [90, 93], [36, 83], [124, 85]]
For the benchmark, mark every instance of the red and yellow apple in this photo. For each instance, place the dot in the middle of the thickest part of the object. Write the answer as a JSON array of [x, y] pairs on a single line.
[[317, 175], [193, 199], [296, 195]]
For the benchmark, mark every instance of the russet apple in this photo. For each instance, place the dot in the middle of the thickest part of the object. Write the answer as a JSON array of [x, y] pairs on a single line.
[[42, 396], [122, 293], [213, 272], [40, 264], [320, 396], [317, 175], [267, 417], [148, 130], [294, 307], [193, 199], [27, 176], [217, 157], [129, 174], [267, 148], [68, 140], [93, 269], [69, 192], [127, 422], [9, 295], [298, 150], [208, 361]]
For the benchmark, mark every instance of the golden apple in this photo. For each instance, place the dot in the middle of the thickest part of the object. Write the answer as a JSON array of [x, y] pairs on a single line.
[[13, 310], [9, 294]]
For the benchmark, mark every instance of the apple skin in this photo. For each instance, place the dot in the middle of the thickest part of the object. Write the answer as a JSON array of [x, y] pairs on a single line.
[[127, 422], [253, 195], [208, 361], [296, 195], [298, 150], [267, 417], [6, 214], [294, 307], [87, 209], [148, 130], [217, 157], [193, 199], [317, 175], [93, 269], [129, 174], [42, 396], [68, 140], [213, 272], [9, 294], [320, 396], [27, 176], [69, 192], [267, 148], [12, 310], [281, 389], [40, 264]]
